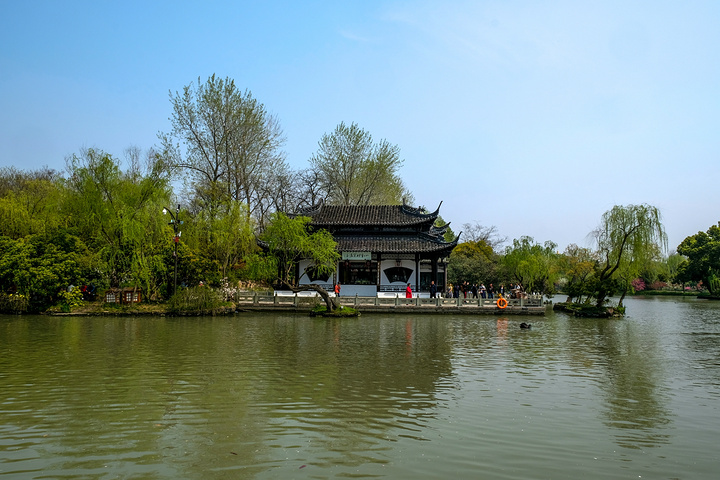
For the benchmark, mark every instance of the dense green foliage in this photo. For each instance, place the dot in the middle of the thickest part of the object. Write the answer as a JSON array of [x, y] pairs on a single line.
[[198, 300], [474, 262], [627, 239], [100, 224], [39, 267], [532, 265], [703, 259], [116, 213], [289, 239]]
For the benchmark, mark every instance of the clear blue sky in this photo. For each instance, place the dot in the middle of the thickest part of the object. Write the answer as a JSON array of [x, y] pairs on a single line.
[[533, 116]]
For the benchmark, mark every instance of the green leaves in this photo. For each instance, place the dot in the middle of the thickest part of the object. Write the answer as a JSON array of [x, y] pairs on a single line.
[[703, 258], [28, 202], [289, 240], [627, 239], [355, 171], [118, 214], [532, 264], [40, 266], [224, 238]]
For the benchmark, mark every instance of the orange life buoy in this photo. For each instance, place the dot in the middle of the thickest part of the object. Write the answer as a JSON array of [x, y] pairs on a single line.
[[501, 303]]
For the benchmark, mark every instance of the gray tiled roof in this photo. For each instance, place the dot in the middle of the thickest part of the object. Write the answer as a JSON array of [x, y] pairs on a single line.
[[393, 244], [367, 215], [404, 229]]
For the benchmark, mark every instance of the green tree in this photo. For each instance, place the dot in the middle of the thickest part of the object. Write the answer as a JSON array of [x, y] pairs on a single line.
[[28, 202], [628, 236], [117, 214], [535, 266], [231, 145], [703, 259], [40, 266], [473, 262], [672, 266], [577, 265], [448, 235], [289, 240], [223, 239], [352, 170]]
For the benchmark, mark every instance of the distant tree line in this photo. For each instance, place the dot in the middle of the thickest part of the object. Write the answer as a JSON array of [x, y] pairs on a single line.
[[629, 254], [100, 223]]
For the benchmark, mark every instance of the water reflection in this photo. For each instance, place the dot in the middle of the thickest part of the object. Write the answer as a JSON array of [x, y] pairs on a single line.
[[204, 390], [636, 400], [270, 396]]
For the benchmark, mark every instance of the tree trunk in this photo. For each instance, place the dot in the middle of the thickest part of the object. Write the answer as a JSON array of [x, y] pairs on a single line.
[[622, 297], [329, 303], [600, 298]]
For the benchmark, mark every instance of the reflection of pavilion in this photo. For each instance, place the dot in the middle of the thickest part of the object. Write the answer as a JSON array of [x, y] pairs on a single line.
[[382, 247]]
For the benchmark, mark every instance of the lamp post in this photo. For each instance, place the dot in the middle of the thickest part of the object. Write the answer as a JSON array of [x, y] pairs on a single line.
[[176, 239]]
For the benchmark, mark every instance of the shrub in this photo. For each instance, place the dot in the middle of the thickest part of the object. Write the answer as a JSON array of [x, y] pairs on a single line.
[[70, 299], [13, 303], [321, 310], [195, 301], [638, 285]]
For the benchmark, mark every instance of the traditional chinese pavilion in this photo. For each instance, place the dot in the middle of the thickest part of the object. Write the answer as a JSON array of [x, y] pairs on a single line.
[[382, 248]]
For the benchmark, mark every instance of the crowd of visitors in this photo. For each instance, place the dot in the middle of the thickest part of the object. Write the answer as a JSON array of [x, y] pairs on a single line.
[[466, 290]]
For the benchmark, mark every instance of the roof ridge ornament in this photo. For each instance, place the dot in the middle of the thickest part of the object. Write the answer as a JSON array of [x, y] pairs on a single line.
[[437, 210], [418, 211], [312, 209]]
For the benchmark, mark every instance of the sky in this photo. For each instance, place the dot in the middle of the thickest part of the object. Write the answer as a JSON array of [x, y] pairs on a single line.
[[535, 117]]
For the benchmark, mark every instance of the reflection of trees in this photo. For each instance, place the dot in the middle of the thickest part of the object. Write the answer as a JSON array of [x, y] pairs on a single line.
[[701, 340], [624, 359], [628, 366], [350, 385], [257, 392], [159, 395]]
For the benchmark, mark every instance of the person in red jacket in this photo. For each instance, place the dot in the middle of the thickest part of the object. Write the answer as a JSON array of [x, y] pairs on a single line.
[[408, 292]]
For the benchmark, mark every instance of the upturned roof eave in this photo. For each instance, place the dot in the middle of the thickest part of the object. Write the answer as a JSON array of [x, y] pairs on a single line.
[[329, 216]]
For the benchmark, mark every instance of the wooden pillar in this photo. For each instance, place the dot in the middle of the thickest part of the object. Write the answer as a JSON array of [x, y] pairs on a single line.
[[417, 273], [445, 269]]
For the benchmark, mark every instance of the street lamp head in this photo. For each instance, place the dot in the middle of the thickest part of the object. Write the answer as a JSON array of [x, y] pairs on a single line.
[[164, 211]]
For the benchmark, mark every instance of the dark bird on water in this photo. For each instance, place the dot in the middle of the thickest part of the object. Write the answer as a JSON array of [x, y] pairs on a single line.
[[525, 325]]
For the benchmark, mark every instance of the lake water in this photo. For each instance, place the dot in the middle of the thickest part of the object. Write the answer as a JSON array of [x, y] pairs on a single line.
[[398, 397]]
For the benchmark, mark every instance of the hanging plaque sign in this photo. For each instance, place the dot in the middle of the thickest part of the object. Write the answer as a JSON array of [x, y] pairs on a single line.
[[357, 255]]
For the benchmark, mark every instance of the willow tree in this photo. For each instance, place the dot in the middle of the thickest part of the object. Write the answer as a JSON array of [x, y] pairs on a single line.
[[223, 239], [288, 240], [29, 202], [627, 237], [353, 170], [535, 266], [117, 213]]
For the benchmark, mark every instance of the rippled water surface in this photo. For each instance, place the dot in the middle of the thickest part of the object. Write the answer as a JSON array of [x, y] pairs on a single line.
[[401, 397]]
